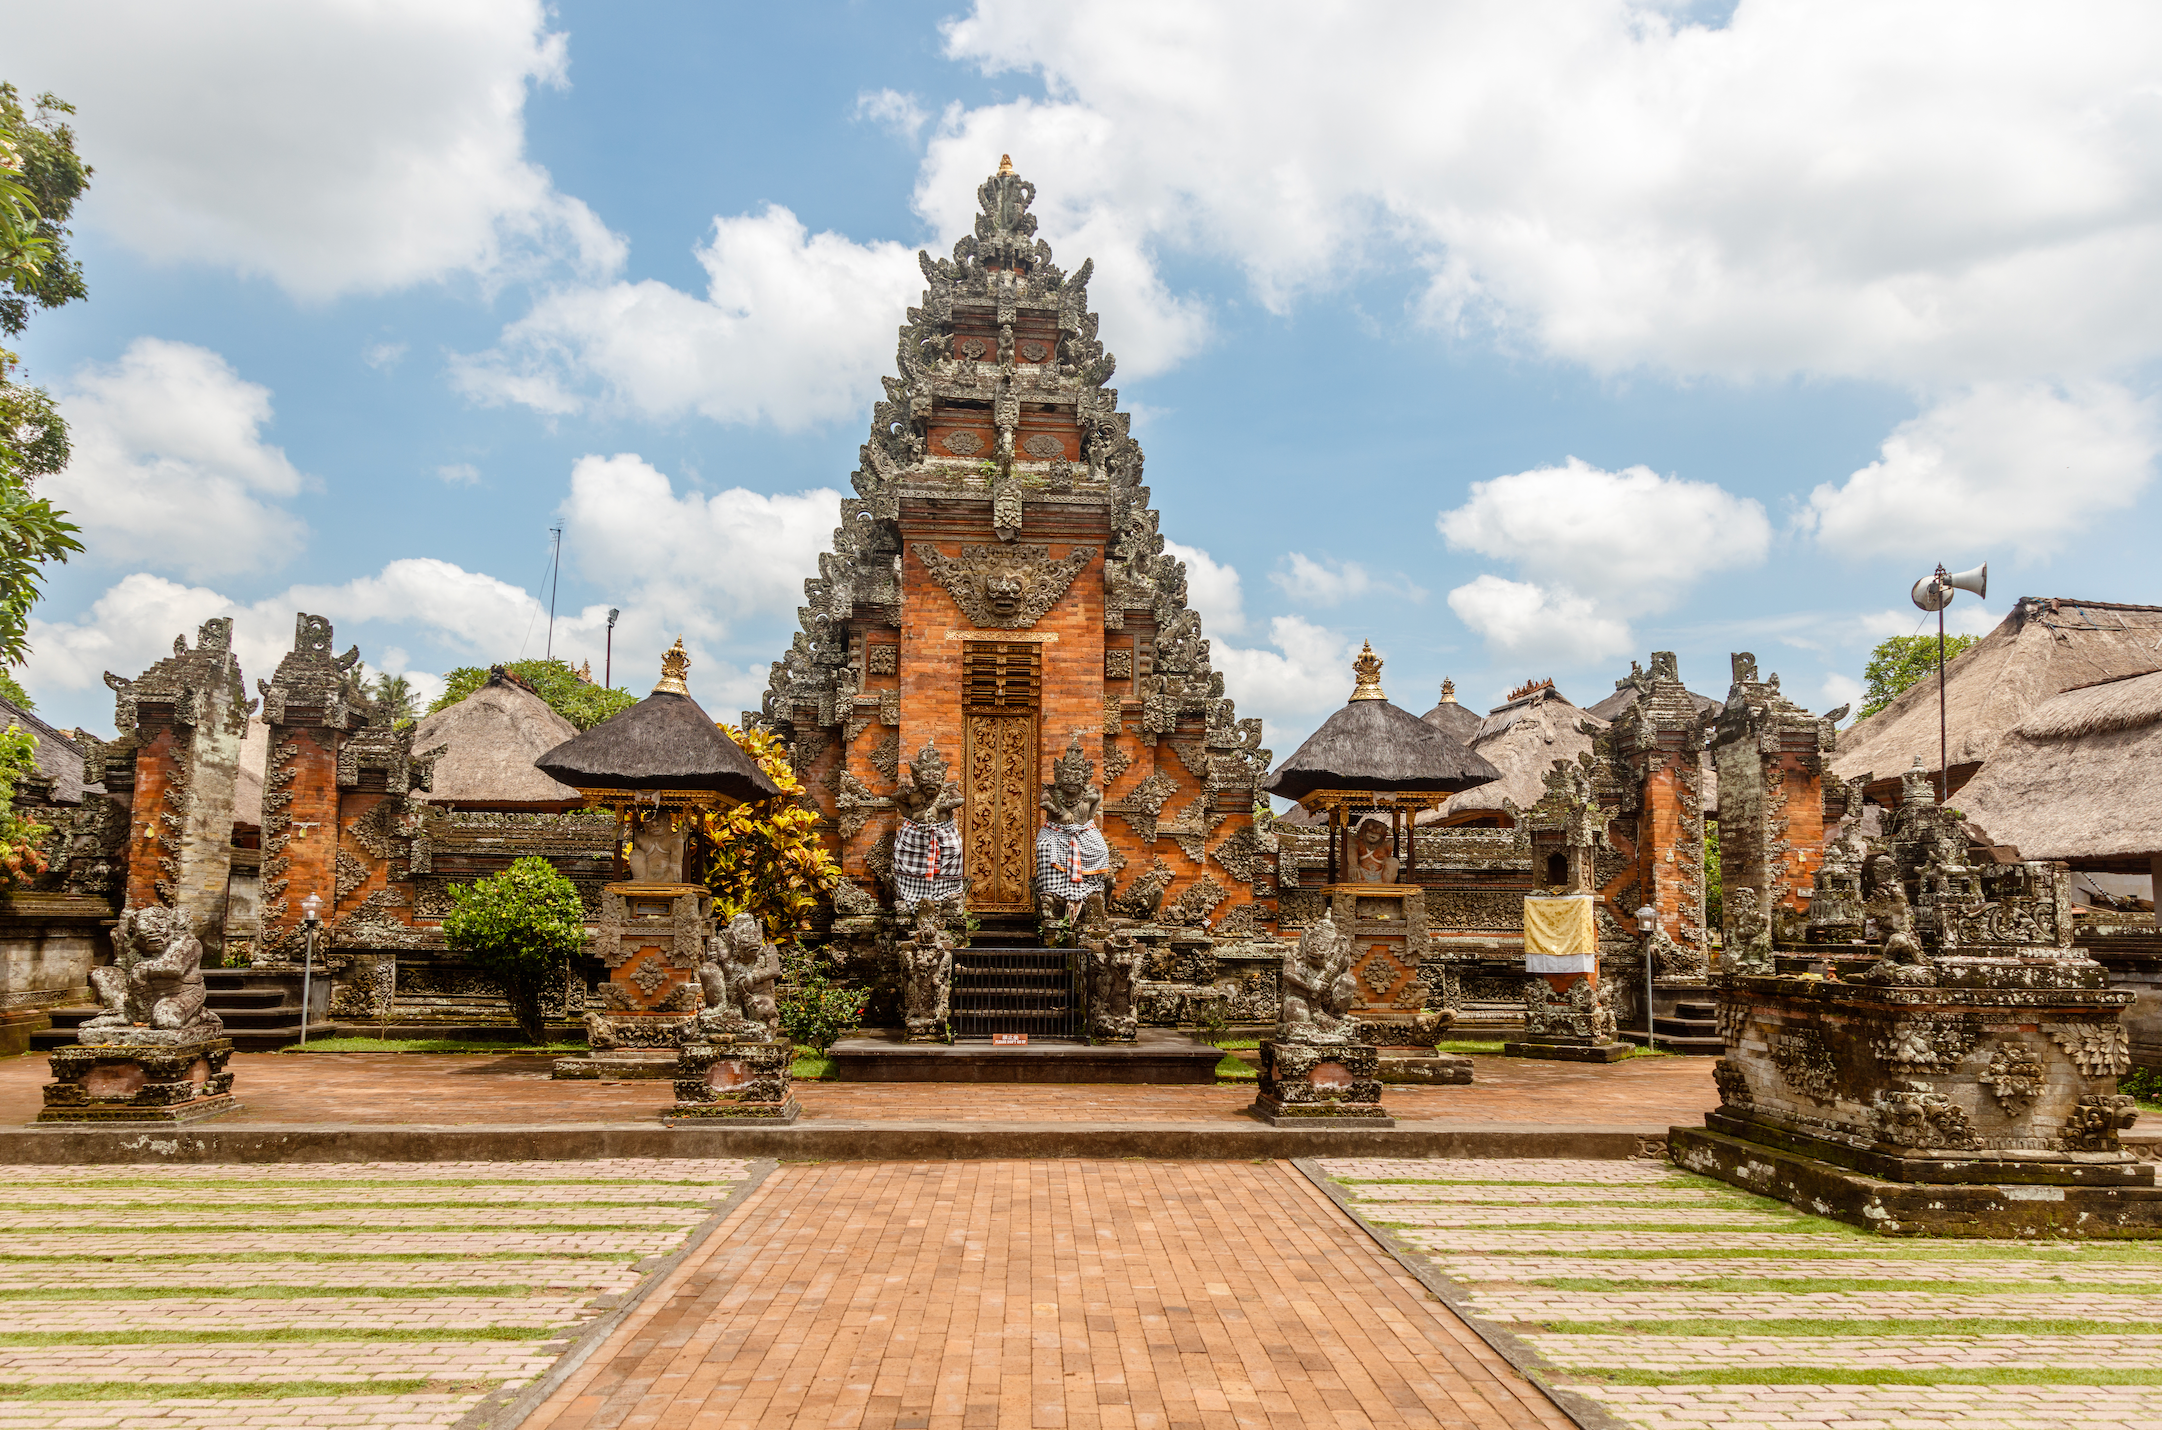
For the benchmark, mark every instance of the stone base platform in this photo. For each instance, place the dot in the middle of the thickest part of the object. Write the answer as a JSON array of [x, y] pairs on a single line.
[[623, 1065], [2122, 1168], [1568, 1052], [1155, 1056], [1430, 1069], [2011, 1210], [139, 1082], [1306, 1114]]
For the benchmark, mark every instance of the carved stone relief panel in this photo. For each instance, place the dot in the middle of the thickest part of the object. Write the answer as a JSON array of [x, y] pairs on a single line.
[[1006, 587]]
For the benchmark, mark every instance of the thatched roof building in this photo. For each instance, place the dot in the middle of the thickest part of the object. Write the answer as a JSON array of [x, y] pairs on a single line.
[[2045, 647], [1451, 718], [1373, 745], [59, 762], [2079, 779], [664, 742], [1521, 738], [493, 737]]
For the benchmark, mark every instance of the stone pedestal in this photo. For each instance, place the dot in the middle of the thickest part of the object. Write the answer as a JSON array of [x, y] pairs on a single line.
[[734, 1082], [627, 1047], [1320, 1084], [140, 1081], [1568, 1017], [1991, 1083]]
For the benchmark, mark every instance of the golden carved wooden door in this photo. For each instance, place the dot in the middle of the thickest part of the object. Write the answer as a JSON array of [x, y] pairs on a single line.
[[1000, 685]]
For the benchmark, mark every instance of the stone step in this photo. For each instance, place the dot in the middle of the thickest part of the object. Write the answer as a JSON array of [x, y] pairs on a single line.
[[1695, 1047]]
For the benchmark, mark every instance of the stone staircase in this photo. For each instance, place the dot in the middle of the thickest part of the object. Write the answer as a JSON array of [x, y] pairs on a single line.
[[261, 1011], [1007, 981], [1693, 1030]]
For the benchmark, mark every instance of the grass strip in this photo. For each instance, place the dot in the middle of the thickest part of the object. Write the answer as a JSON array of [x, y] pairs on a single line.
[[225, 1291], [310, 1257], [20, 1339], [811, 1067], [237, 1389], [1236, 1070], [1883, 1375], [1804, 1227], [200, 1185], [226, 1208], [332, 1228], [1798, 1327], [1876, 1249], [431, 1045], [1812, 1286]]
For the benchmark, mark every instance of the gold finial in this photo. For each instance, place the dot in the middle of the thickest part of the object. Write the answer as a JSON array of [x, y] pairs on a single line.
[[1448, 691], [1005, 165], [1368, 669], [674, 666]]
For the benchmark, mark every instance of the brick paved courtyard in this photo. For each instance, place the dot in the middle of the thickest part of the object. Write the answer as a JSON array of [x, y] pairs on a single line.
[[477, 1088]]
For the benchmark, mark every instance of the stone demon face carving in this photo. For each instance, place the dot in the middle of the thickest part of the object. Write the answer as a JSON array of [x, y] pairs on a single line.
[[1004, 587], [1004, 593]]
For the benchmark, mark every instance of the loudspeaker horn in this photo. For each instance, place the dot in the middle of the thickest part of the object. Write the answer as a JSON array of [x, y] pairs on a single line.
[[1929, 595], [1976, 580]]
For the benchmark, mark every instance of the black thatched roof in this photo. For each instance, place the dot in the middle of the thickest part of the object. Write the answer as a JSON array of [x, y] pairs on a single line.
[[663, 742], [1373, 745], [1453, 720]]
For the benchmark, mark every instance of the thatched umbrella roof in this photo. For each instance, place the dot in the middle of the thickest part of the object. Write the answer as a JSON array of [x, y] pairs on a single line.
[[2080, 778], [2043, 648], [1521, 739], [1373, 745], [664, 742], [1451, 718], [493, 737]]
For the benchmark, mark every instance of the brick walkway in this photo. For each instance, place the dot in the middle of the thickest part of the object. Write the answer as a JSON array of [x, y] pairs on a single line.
[[1591, 1265], [1073, 1294], [481, 1088]]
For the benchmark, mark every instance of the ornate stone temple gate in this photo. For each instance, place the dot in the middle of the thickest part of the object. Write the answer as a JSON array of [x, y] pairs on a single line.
[[997, 589]]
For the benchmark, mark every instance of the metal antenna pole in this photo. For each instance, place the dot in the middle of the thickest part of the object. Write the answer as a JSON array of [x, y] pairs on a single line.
[[555, 579], [1944, 739]]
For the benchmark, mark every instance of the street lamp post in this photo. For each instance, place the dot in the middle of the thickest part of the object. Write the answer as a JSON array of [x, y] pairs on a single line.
[[1647, 920], [311, 924]]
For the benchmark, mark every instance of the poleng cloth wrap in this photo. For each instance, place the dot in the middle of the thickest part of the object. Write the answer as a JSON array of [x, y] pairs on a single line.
[[1559, 936], [926, 862], [1072, 860]]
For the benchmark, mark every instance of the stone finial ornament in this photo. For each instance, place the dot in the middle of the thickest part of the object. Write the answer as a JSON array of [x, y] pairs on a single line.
[[1367, 669], [1448, 691], [675, 664]]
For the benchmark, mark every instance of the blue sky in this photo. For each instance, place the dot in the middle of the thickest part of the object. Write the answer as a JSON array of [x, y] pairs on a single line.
[[1520, 339]]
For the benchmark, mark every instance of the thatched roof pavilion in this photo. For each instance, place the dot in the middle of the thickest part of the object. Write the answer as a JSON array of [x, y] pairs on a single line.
[[664, 744], [2046, 646], [1520, 739], [2079, 779], [1371, 745], [493, 738], [1451, 718]]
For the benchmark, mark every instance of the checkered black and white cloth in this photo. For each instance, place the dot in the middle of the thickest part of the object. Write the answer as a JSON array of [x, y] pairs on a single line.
[[926, 862], [1072, 861]]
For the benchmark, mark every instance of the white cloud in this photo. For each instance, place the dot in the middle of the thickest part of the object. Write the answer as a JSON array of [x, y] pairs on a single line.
[[333, 148], [1307, 672], [1600, 548], [1212, 589], [383, 356], [1964, 617], [894, 110], [458, 474], [1839, 690], [700, 563], [170, 467], [1818, 185], [2001, 467], [1328, 583], [1520, 618], [795, 329]]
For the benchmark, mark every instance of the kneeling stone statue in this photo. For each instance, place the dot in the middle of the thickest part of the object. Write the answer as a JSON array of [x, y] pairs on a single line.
[[153, 991]]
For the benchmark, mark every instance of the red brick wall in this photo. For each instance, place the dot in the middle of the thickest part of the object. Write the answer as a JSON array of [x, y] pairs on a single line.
[[311, 848], [148, 835]]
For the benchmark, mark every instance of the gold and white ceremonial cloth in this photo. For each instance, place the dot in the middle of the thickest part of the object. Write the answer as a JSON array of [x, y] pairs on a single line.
[[1559, 936]]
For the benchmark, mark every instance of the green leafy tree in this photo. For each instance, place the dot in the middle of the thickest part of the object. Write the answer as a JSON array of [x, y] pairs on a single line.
[[40, 179], [768, 860], [397, 693], [520, 929], [1899, 662], [814, 1010], [12, 692], [569, 694], [22, 839]]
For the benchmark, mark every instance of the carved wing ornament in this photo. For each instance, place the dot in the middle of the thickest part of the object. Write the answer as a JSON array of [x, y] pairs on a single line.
[[1004, 587]]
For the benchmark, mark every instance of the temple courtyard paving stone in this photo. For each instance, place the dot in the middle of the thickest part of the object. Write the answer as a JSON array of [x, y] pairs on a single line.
[[1798, 1324]]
